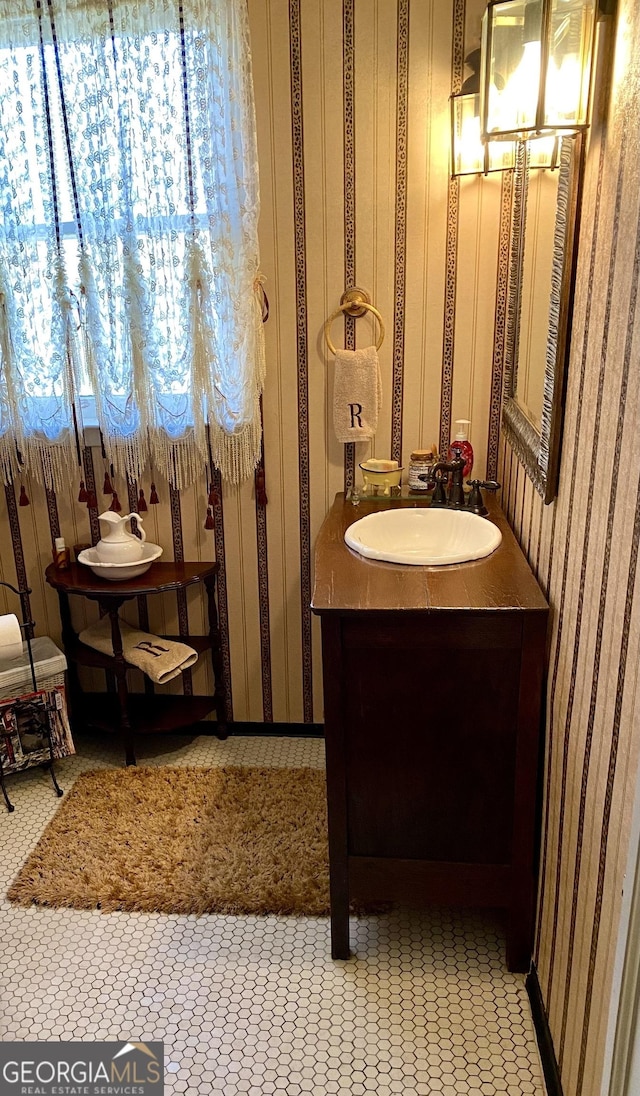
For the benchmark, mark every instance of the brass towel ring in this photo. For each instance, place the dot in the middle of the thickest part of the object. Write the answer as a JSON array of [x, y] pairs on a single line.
[[345, 308]]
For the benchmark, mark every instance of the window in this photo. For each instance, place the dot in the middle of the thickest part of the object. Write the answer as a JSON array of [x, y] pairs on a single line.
[[128, 243]]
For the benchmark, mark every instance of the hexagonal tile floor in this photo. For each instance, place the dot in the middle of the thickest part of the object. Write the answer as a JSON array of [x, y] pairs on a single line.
[[256, 1005]]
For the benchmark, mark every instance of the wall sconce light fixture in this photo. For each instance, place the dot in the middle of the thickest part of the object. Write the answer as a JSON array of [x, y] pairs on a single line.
[[543, 153], [536, 68], [469, 154]]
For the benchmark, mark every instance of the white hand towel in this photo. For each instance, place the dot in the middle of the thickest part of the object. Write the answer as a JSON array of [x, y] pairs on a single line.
[[160, 659], [357, 394]]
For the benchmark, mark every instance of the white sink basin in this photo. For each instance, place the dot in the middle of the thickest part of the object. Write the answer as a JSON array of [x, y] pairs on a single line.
[[118, 572], [423, 537]]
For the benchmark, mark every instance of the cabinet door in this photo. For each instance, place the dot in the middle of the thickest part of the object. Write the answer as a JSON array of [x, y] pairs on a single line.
[[430, 747]]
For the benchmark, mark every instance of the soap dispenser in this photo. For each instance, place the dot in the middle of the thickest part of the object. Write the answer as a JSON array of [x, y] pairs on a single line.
[[461, 446]]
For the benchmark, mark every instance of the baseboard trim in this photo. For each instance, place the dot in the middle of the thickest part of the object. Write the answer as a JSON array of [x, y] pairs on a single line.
[[263, 730], [543, 1034]]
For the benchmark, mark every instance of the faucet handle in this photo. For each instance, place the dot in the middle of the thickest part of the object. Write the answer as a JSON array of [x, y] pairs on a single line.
[[476, 503], [439, 497], [489, 485]]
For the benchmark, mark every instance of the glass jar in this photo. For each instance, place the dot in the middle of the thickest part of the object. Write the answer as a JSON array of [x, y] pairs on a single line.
[[421, 462]]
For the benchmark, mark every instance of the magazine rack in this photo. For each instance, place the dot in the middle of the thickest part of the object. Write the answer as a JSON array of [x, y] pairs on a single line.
[[18, 703]]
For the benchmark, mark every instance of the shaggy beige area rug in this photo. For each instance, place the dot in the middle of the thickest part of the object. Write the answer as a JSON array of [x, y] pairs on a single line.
[[185, 840]]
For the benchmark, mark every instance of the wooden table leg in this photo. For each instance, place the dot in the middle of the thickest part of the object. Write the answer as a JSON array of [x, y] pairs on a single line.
[[520, 923], [336, 759], [121, 679], [220, 693], [68, 637], [339, 916], [125, 724]]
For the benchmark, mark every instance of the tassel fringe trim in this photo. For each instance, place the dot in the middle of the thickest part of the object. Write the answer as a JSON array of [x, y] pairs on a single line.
[[182, 462]]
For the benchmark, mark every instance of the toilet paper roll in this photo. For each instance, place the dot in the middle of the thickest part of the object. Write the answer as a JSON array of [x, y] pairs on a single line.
[[10, 637]]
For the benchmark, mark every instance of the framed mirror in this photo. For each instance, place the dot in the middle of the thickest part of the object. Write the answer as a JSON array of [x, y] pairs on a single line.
[[541, 289]]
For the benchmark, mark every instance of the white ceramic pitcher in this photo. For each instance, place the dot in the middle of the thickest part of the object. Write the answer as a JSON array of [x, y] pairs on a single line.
[[118, 545]]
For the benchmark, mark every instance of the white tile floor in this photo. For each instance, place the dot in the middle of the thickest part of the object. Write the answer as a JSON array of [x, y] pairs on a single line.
[[255, 1004]]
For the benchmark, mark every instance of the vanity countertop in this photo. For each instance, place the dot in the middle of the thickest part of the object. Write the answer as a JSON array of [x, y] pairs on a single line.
[[347, 582]]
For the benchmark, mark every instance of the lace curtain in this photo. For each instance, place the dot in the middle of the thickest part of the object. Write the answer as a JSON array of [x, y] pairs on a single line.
[[128, 238]]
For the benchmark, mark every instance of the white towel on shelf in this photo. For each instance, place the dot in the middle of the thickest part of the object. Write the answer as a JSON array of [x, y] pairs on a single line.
[[160, 659], [357, 394]]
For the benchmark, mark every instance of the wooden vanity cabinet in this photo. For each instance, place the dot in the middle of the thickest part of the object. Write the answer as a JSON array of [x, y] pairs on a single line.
[[432, 690]]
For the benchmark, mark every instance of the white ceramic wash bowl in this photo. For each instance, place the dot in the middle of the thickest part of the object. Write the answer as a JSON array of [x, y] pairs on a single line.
[[117, 572], [423, 537]]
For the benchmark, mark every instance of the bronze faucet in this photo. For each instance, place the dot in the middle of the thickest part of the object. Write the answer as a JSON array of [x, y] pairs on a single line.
[[456, 497], [457, 500]]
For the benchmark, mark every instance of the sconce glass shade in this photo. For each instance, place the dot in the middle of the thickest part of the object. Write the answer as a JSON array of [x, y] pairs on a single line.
[[536, 67], [544, 152], [469, 156]]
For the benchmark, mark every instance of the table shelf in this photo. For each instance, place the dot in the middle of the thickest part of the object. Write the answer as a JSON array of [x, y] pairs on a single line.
[[120, 710], [89, 656], [157, 714]]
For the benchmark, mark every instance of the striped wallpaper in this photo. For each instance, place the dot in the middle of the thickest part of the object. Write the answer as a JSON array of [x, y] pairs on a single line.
[[584, 549], [353, 130]]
